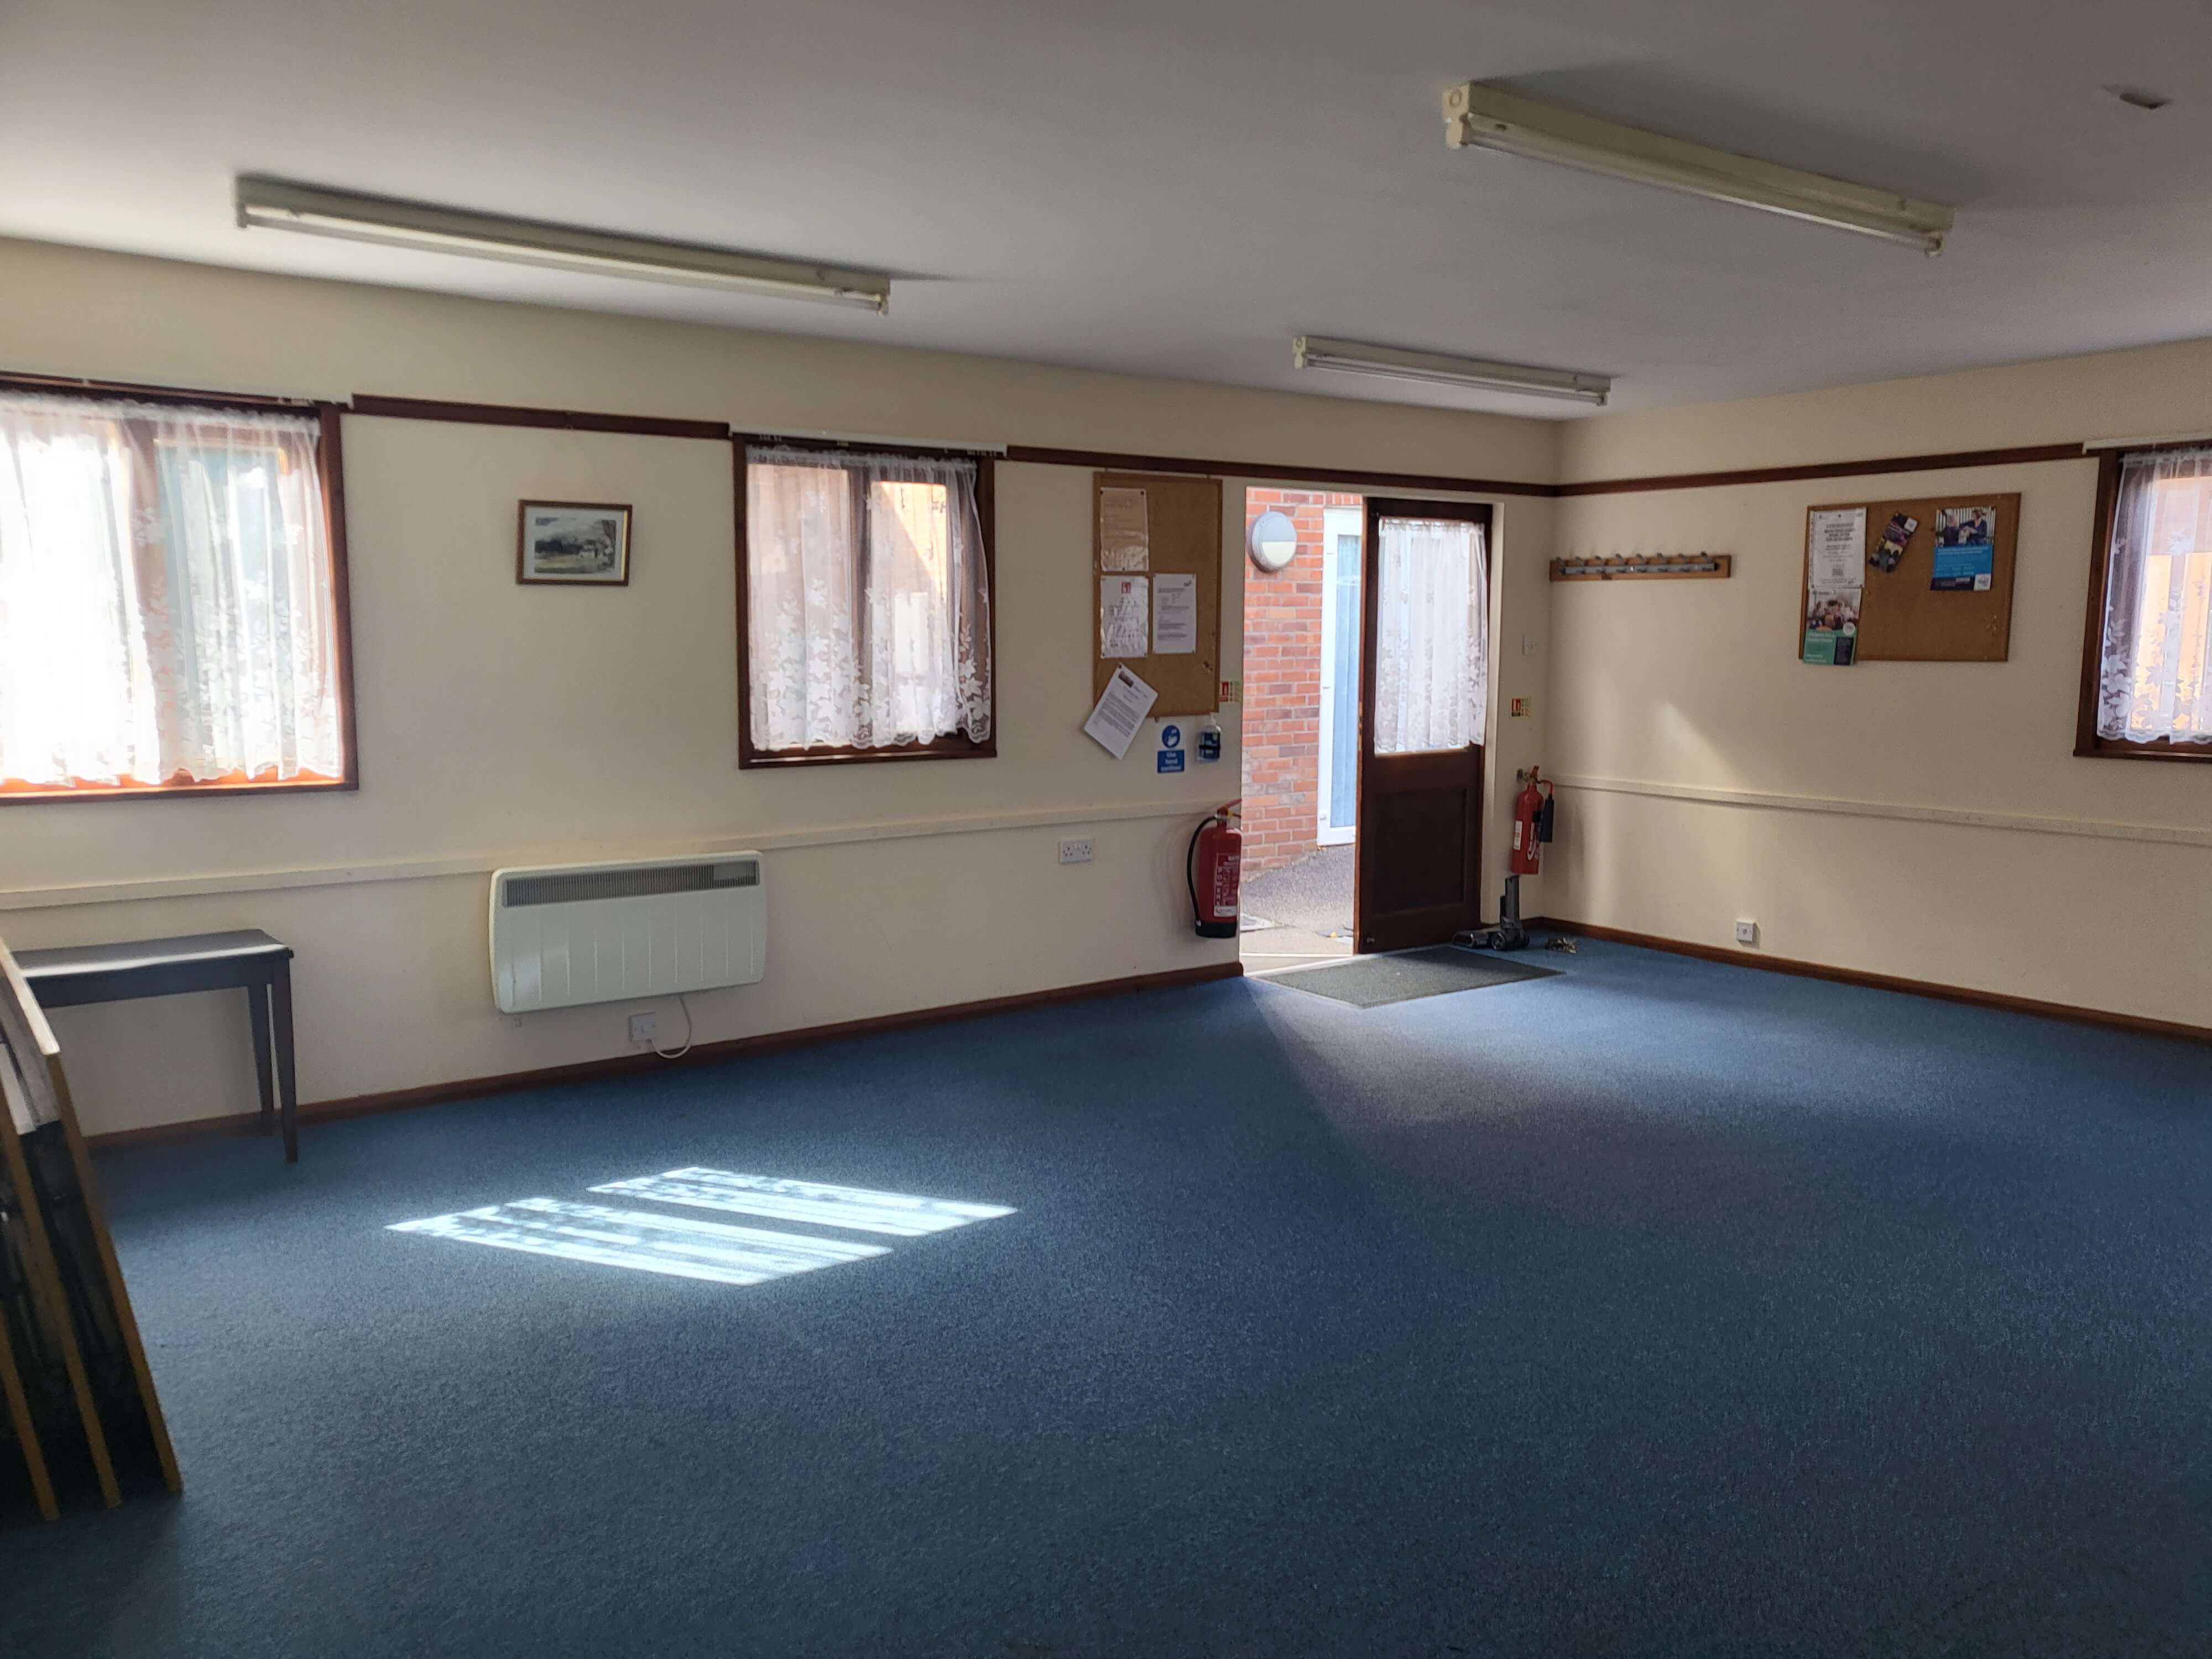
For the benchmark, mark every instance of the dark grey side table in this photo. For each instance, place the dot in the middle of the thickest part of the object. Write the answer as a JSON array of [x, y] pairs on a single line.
[[251, 961]]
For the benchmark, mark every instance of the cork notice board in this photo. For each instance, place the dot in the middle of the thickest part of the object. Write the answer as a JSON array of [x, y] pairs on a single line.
[[1902, 617], [1144, 526]]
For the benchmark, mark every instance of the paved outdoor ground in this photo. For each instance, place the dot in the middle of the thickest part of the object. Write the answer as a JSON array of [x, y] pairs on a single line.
[[1299, 913]]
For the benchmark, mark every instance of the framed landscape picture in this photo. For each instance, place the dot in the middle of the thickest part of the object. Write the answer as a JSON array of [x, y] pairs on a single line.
[[577, 543]]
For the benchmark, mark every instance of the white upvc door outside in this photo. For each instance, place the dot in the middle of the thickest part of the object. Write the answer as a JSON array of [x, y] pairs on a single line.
[[1337, 813]]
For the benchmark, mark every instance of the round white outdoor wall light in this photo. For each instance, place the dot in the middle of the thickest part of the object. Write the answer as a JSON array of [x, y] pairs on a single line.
[[1273, 541]]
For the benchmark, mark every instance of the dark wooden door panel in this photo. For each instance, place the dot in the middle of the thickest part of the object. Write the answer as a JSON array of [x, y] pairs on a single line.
[[1425, 830]]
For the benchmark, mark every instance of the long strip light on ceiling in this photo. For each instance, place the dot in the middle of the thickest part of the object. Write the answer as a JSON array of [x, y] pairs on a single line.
[[279, 204], [1433, 368], [1485, 118]]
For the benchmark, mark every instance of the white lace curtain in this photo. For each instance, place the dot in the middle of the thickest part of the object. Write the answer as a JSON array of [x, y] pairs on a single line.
[[869, 604], [2158, 602], [1431, 635], [166, 605]]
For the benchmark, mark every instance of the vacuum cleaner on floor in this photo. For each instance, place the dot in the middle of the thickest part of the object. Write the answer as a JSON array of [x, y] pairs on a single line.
[[1532, 828]]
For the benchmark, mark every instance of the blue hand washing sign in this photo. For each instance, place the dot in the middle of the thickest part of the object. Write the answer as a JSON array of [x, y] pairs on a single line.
[[1170, 737], [1170, 759]]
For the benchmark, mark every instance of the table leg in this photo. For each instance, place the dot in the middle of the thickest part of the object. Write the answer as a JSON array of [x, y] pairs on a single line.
[[280, 994], [257, 1002]]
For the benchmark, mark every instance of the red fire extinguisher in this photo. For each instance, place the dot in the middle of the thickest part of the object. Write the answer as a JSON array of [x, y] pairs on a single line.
[[1532, 824], [1210, 869]]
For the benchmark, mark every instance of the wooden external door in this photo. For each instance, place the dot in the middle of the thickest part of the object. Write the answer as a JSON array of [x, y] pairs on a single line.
[[1425, 624]]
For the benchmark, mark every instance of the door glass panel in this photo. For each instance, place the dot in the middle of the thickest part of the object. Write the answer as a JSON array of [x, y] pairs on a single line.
[[1431, 635], [1342, 598]]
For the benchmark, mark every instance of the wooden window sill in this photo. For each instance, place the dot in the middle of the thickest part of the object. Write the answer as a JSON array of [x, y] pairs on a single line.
[[18, 796], [944, 749], [2103, 748]]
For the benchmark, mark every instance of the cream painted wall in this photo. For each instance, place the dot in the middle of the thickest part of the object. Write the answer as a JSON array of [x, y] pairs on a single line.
[[2112, 394], [73, 311], [505, 724], [1872, 818], [1523, 620]]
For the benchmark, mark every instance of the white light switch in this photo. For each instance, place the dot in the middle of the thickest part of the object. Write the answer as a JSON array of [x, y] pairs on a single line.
[[1528, 645]]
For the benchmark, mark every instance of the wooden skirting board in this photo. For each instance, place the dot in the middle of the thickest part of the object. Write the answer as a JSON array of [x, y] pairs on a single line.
[[467, 1088], [2104, 1018], [398, 1100]]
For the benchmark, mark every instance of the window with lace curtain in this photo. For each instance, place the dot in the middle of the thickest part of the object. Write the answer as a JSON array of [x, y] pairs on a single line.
[[172, 598], [867, 584], [2145, 690]]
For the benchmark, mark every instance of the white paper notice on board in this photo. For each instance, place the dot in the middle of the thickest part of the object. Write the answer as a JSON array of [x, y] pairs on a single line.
[[1175, 615], [1125, 533], [1835, 549], [1125, 620], [1122, 710]]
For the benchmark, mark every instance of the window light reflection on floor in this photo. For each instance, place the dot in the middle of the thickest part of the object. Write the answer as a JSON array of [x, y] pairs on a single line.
[[721, 1252], [854, 1207]]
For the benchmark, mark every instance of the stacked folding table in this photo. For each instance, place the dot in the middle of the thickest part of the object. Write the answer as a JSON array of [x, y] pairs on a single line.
[[79, 1399]]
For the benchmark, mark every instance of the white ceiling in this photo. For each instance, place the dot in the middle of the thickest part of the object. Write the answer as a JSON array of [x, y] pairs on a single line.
[[1177, 188]]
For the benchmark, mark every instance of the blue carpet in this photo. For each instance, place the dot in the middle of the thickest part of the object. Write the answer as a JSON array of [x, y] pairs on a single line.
[[1658, 1308]]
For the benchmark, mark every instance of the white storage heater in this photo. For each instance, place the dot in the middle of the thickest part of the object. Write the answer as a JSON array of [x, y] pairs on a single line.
[[563, 934]]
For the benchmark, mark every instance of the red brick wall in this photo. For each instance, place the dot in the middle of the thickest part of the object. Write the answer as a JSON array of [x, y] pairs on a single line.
[[1282, 685]]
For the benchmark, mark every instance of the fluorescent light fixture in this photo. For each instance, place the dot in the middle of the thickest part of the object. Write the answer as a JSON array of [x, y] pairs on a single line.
[[1483, 116], [2090, 445], [278, 204], [1432, 368]]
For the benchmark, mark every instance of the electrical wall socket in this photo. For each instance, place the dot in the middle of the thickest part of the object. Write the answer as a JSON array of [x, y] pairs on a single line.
[[1747, 932], [1075, 850], [643, 1029]]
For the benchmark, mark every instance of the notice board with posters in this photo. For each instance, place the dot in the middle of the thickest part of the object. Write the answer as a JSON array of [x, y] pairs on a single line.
[[1925, 579], [1156, 581]]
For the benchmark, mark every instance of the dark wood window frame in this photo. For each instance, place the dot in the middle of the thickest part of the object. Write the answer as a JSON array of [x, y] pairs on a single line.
[[331, 463], [956, 747], [2088, 745]]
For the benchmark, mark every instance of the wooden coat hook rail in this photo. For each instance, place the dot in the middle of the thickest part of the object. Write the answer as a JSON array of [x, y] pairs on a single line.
[[1678, 567]]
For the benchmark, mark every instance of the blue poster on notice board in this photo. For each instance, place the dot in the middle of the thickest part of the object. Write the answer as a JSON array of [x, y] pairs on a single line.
[[1966, 550]]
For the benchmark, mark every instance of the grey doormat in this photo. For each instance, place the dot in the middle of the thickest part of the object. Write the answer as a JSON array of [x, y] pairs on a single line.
[[1370, 981]]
